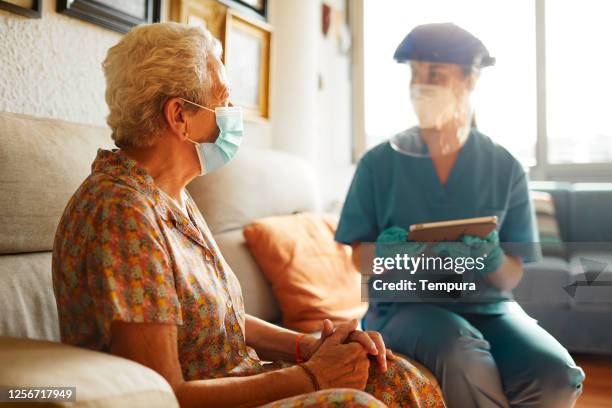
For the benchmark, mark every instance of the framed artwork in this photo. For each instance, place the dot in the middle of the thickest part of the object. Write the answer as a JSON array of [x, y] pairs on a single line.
[[246, 50], [27, 8], [247, 61], [256, 8], [118, 15], [208, 14]]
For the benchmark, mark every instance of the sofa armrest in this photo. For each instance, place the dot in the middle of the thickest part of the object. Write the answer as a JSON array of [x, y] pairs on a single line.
[[101, 380]]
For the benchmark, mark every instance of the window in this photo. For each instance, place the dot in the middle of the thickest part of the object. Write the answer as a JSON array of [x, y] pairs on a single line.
[[577, 80]]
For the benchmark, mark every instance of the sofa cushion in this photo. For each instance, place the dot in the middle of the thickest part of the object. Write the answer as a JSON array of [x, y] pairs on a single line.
[[543, 283], [561, 193], [257, 183], [101, 380], [590, 216], [258, 298], [27, 303], [42, 162], [548, 226], [312, 275]]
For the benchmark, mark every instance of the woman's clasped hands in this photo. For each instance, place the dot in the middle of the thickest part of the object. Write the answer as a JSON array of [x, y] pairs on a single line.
[[340, 357]]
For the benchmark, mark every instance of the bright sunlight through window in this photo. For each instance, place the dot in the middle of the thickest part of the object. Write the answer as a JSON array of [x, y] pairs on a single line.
[[505, 96], [579, 81]]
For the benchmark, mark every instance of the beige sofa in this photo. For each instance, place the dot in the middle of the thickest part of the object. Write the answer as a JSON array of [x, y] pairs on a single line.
[[42, 162]]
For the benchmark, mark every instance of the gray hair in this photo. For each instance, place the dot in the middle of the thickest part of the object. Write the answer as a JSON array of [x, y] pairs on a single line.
[[149, 65]]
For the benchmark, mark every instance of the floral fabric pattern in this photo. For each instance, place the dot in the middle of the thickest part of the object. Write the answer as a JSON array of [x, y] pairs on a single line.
[[123, 253], [332, 398], [403, 385]]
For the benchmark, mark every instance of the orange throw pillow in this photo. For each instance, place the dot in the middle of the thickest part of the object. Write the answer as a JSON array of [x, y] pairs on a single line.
[[312, 275]]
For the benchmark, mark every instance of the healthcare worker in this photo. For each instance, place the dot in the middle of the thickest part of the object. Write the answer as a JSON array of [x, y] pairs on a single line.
[[488, 352]]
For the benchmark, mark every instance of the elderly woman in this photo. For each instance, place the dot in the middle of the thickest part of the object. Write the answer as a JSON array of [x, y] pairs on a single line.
[[137, 273]]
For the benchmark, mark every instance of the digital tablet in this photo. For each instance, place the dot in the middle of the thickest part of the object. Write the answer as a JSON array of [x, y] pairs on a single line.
[[452, 230]]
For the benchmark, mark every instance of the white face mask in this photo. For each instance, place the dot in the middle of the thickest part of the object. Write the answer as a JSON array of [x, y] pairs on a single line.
[[434, 105]]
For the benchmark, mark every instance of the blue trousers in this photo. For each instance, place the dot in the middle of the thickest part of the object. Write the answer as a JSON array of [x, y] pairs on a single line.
[[482, 361]]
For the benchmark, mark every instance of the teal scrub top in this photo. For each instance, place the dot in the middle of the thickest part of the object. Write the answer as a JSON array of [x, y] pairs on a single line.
[[390, 188]]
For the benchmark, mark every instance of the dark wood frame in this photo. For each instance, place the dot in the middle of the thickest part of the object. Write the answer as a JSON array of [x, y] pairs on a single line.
[[34, 12], [109, 17], [247, 8]]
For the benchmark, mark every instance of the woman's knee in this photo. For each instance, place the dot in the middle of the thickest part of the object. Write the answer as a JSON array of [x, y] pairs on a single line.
[[405, 382], [553, 381], [561, 383]]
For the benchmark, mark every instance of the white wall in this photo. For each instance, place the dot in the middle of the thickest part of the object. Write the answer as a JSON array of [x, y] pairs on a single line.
[[311, 94], [293, 85], [50, 67], [334, 130]]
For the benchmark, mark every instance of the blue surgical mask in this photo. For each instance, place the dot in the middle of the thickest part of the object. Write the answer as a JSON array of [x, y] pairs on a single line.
[[213, 156]]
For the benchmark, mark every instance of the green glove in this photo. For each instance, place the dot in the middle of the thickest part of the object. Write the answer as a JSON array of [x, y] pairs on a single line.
[[394, 240], [471, 246]]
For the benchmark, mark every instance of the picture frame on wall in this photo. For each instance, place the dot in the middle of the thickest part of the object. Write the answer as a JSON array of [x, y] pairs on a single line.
[[255, 8], [208, 14], [117, 15], [26, 8], [247, 62], [246, 42]]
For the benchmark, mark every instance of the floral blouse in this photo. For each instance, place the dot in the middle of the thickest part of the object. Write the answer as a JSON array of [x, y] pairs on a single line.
[[123, 252]]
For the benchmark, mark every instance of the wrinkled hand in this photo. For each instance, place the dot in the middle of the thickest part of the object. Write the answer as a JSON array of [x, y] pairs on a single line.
[[370, 340], [339, 365], [394, 240], [310, 344], [374, 345], [471, 246]]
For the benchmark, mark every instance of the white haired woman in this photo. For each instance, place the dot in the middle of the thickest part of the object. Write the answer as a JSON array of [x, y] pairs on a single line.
[[137, 273]]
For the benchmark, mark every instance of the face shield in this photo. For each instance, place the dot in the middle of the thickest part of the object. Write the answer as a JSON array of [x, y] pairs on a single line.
[[445, 62], [440, 97]]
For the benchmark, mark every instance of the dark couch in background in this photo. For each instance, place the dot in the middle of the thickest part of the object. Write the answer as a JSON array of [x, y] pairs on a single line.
[[569, 291]]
